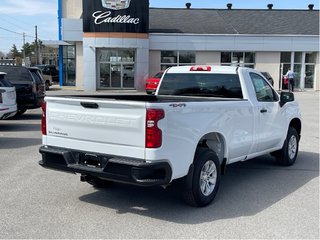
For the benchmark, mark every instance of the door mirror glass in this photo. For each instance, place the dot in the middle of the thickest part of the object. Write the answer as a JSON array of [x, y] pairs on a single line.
[[286, 97]]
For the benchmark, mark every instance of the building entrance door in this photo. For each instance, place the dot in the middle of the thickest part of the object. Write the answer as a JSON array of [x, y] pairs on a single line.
[[116, 69]]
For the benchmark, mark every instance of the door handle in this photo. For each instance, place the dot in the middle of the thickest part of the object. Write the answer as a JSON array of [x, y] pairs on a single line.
[[263, 110], [89, 105]]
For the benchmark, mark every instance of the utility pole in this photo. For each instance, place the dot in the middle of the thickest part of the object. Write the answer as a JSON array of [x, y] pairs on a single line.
[[36, 44], [24, 49]]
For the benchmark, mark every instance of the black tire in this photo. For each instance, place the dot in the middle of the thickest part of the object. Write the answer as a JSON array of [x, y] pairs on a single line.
[[98, 183], [288, 154], [47, 85], [203, 190]]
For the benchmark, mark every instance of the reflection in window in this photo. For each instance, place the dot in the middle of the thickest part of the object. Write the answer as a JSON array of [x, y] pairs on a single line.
[[177, 58], [285, 57], [311, 57], [263, 91], [242, 59], [117, 68], [69, 65]]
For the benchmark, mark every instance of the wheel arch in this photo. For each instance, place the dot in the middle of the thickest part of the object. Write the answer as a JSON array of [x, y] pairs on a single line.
[[296, 123], [216, 142]]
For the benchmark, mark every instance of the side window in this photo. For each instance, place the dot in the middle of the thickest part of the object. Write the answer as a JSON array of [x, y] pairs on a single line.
[[264, 92]]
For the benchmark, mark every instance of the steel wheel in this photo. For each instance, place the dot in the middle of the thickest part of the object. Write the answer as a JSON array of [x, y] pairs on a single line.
[[292, 147], [208, 178]]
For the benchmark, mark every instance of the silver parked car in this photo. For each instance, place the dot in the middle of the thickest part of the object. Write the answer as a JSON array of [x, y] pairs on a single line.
[[8, 98]]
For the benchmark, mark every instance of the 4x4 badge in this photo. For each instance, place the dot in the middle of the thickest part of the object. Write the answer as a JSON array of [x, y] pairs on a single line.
[[116, 4]]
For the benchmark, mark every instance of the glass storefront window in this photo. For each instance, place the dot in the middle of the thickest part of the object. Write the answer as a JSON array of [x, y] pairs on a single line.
[[311, 57], [309, 76], [169, 57], [225, 57], [177, 58], [303, 68], [297, 57], [249, 57], [285, 57], [237, 57], [116, 68], [187, 57], [243, 59], [69, 65], [297, 75]]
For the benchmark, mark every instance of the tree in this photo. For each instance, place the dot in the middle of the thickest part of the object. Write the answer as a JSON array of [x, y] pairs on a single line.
[[15, 52], [29, 48], [2, 55]]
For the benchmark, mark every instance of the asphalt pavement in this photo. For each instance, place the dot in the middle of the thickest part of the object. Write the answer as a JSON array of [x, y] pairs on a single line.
[[256, 199]]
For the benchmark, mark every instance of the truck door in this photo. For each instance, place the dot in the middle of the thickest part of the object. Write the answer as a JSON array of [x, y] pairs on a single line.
[[270, 126]]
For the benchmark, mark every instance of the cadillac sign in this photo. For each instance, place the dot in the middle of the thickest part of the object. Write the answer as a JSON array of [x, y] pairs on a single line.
[[116, 16], [116, 4]]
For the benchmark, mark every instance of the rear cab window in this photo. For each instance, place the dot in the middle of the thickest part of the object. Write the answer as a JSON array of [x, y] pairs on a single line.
[[201, 84]]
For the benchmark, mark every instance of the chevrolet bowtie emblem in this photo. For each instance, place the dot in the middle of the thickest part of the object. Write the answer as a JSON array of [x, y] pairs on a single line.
[[116, 4]]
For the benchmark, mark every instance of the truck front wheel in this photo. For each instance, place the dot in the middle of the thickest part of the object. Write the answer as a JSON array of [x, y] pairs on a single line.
[[288, 154], [205, 179]]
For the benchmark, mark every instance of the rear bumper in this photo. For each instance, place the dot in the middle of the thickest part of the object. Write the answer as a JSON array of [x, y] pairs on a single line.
[[114, 168], [7, 112]]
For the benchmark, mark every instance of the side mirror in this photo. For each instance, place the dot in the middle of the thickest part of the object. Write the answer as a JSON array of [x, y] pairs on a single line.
[[286, 97]]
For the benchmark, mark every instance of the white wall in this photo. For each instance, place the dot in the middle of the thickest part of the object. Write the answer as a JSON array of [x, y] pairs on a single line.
[[90, 47], [211, 42], [79, 66], [269, 62], [154, 63], [208, 58], [71, 8], [317, 73]]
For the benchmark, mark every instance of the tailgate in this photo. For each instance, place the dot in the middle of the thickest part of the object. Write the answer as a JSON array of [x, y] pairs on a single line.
[[103, 126], [8, 96]]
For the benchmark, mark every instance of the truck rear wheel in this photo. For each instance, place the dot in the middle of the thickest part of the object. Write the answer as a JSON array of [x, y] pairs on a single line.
[[205, 179], [288, 154]]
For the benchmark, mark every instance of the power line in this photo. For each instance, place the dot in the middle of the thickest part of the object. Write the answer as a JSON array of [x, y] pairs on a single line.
[[21, 34], [11, 23]]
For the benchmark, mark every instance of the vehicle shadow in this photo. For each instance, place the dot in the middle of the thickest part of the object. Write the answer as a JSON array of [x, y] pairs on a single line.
[[246, 189], [18, 127], [14, 143], [28, 116]]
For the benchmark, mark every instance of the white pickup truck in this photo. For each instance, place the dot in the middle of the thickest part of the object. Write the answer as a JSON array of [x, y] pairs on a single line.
[[201, 119]]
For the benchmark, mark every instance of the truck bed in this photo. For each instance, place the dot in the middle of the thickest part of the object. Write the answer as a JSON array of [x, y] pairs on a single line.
[[150, 98]]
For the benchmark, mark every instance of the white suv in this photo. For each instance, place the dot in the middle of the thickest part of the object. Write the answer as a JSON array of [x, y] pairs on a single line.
[[8, 103]]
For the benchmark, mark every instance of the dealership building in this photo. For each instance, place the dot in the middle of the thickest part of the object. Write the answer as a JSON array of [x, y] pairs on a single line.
[[118, 44]]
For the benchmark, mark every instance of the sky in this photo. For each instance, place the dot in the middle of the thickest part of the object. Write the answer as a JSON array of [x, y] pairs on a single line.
[[21, 16]]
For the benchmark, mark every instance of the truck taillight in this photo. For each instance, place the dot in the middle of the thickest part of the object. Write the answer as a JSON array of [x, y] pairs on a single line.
[[153, 133], [44, 118]]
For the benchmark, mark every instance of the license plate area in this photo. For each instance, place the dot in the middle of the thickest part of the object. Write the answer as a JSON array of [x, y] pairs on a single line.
[[90, 160]]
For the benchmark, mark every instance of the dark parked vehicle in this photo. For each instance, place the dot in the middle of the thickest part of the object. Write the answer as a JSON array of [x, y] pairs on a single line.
[[50, 70], [268, 77], [29, 85]]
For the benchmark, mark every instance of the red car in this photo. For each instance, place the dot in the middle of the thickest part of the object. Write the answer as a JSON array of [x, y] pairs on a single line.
[[153, 82]]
